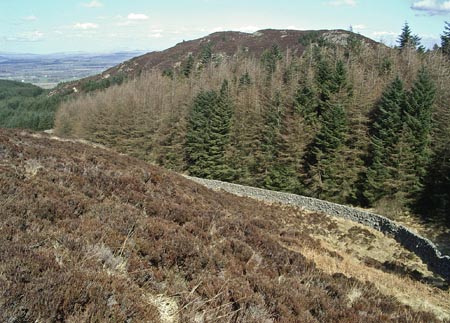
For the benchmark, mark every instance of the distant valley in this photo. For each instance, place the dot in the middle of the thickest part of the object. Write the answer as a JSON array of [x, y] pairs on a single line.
[[48, 70]]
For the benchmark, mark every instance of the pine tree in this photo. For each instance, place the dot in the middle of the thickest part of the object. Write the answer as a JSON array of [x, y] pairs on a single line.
[[385, 129], [445, 39]]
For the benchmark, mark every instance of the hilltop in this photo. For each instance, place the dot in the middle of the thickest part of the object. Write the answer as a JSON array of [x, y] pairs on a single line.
[[87, 234], [223, 45]]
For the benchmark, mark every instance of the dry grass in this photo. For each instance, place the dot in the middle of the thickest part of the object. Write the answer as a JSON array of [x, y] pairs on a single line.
[[98, 237], [412, 293]]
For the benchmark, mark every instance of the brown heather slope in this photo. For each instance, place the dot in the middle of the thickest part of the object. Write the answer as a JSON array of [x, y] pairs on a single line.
[[223, 44], [88, 235]]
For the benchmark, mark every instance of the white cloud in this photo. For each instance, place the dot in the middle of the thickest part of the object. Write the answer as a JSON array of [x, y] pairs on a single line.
[[125, 23], [384, 33], [216, 29], [85, 25], [28, 36], [30, 18], [155, 35], [248, 29], [137, 16], [432, 7], [93, 4], [338, 3], [359, 27]]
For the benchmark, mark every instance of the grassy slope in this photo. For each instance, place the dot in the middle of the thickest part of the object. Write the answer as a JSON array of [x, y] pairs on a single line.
[[90, 235]]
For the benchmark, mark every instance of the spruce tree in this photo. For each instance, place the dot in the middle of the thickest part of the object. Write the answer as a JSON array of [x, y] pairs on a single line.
[[408, 40], [385, 130], [417, 117], [188, 67], [270, 59], [406, 37], [220, 125], [208, 134], [435, 196], [445, 39], [199, 134], [320, 160]]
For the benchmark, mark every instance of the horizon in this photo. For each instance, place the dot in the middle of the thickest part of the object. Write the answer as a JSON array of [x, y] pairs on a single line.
[[106, 26]]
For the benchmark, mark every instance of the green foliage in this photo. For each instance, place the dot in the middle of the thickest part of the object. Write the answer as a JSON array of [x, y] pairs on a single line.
[[309, 38], [387, 124], [321, 168], [445, 39], [417, 116], [305, 102], [408, 40], [208, 134], [245, 79], [400, 142], [24, 105], [188, 66], [435, 196], [103, 83], [206, 55], [270, 59], [168, 72]]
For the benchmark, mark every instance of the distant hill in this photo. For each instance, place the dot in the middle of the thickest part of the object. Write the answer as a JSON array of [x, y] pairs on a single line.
[[47, 70], [87, 234], [222, 44]]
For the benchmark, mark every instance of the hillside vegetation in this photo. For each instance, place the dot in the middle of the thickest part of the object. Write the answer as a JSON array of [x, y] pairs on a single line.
[[23, 105], [88, 235], [342, 119]]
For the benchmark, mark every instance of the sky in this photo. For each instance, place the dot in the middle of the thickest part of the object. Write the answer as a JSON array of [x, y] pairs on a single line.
[[54, 26]]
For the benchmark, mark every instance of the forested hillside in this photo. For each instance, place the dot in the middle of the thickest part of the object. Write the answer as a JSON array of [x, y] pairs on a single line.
[[346, 122], [23, 105]]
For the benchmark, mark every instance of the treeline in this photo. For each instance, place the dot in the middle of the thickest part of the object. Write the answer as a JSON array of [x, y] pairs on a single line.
[[355, 124], [24, 105]]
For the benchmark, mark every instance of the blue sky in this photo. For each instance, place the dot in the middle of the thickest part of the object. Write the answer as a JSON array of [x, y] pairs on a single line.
[[48, 26]]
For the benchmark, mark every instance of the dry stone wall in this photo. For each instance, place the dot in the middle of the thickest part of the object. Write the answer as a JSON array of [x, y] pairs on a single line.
[[424, 248]]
